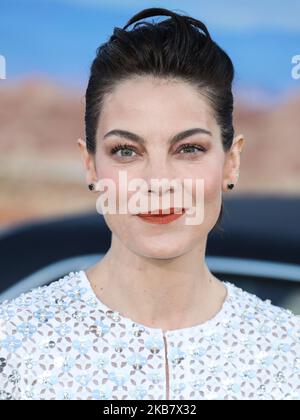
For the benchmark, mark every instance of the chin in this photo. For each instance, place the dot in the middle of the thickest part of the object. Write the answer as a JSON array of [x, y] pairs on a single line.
[[158, 249]]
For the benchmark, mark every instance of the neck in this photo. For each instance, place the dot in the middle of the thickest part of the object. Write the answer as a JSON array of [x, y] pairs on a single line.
[[158, 293]]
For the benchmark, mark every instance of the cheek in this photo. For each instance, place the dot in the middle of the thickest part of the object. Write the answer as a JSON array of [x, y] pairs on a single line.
[[107, 173], [211, 192], [212, 196], [105, 168], [212, 187], [211, 176], [118, 194]]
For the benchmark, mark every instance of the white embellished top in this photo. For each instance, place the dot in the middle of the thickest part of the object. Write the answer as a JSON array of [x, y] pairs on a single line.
[[61, 342]]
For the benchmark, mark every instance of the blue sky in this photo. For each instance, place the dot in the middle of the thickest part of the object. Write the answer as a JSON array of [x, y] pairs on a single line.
[[58, 39]]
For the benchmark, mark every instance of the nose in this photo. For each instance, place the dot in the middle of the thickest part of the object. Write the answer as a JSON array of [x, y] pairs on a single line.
[[161, 187], [160, 179], [158, 176]]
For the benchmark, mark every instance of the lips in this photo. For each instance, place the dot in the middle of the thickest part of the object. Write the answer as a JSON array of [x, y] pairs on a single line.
[[161, 212], [160, 217]]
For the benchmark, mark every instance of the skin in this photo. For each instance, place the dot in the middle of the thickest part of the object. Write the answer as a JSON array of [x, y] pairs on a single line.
[[156, 275]]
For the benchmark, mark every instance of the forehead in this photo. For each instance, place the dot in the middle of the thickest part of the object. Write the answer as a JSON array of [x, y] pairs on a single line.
[[146, 103]]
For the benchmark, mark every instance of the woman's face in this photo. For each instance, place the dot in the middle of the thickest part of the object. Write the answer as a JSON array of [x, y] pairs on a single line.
[[156, 110]]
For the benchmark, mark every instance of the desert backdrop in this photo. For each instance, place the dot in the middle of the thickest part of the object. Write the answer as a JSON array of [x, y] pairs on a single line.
[[41, 172]]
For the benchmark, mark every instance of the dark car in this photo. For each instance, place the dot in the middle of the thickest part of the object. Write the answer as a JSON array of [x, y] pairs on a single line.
[[257, 249]]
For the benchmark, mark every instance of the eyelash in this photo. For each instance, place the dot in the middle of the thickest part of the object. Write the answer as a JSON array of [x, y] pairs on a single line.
[[118, 147]]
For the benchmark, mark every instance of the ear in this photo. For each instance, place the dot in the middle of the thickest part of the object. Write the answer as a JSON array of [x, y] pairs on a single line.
[[88, 162], [232, 162]]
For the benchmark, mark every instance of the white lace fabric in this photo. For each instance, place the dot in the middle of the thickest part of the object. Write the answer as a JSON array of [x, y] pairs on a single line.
[[61, 342]]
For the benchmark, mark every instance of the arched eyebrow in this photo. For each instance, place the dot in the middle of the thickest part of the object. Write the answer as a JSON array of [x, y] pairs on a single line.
[[138, 139]]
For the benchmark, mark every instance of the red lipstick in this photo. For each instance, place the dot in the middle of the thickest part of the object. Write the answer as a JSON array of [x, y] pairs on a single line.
[[163, 217]]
